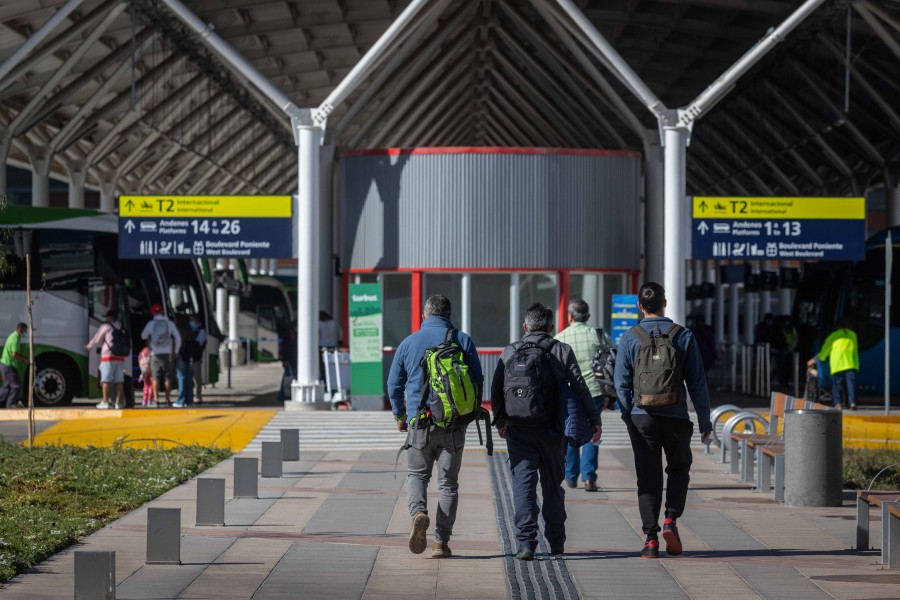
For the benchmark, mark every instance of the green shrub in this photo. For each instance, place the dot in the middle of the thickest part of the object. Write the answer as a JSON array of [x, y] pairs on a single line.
[[52, 496], [861, 465]]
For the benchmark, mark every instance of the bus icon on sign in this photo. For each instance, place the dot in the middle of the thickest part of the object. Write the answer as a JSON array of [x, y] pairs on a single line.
[[721, 228], [148, 226]]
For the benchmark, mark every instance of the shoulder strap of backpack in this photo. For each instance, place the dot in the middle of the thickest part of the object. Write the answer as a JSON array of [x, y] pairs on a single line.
[[640, 333], [546, 344], [451, 336], [675, 330]]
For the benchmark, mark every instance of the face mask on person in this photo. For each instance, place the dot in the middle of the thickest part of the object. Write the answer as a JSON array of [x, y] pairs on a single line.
[[195, 325]]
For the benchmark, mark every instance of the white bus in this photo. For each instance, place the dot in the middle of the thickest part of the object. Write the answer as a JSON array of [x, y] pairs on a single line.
[[77, 276]]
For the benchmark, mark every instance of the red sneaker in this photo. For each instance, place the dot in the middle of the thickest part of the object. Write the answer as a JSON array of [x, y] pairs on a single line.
[[650, 549], [673, 540]]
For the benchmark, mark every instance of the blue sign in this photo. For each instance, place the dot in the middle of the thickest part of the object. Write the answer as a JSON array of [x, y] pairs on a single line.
[[779, 228], [625, 314], [174, 237]]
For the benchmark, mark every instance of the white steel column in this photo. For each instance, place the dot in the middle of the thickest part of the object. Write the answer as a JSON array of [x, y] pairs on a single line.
[[77, 177], [305, 389], [325, 234], [465, 313], [675, 139], [222, 309], [108, 194], [784, 294], [654, 184], [749, 315], [254, 266], [234, 309], [765, 297], [710, 271], [698, 279]]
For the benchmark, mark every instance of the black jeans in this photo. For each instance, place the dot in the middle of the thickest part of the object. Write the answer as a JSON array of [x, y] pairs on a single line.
[[536, 452], [650, 437]]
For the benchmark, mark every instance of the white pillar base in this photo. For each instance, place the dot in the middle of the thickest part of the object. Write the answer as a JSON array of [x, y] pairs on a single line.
[[306, 396]]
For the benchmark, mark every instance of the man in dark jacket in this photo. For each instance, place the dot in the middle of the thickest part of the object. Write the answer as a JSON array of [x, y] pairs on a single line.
[[539, 447], [431, 444], [668, 429]]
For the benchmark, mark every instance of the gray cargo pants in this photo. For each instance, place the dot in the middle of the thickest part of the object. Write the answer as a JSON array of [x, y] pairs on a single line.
[[428, 446]]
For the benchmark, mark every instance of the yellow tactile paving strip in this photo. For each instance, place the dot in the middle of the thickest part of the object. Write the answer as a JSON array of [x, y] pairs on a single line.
[[230, 428]]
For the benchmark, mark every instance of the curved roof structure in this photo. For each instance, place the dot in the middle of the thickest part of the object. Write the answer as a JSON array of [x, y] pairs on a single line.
[[127, 94]]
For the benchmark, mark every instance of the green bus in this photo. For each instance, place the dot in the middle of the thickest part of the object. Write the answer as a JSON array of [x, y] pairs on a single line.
[[76, 276]]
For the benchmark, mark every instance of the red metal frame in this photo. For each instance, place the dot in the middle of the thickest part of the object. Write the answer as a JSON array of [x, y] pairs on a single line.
[[416, 312], [490, 150]]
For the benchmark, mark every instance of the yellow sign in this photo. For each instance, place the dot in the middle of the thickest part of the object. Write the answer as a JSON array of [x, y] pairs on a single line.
[[205, 206], [778, 208]]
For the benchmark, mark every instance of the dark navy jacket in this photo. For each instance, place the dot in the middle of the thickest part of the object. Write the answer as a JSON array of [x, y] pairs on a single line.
[[407, 376], [694, 375]]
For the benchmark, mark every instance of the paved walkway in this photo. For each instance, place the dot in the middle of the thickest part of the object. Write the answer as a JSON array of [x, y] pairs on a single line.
[[336, 525]]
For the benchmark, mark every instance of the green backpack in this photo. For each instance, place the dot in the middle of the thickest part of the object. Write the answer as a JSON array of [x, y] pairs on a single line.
[[449, 392]]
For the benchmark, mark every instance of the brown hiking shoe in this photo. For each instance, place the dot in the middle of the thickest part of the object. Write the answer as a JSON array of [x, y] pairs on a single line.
[[590, 486], [440, 550], [418, 537]]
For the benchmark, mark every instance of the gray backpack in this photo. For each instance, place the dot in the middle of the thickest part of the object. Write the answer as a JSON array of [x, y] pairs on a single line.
[[657, 370]]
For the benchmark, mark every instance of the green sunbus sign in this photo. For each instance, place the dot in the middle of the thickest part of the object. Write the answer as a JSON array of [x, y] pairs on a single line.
[[366, 371]]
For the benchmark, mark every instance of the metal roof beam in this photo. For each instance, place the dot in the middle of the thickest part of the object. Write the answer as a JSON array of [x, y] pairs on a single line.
[[612, 97], [533, 112], [537, 138], [741, 129], [743, 166], [583, 102], [450, 84], [411, 44], [435, 117], [37, 37], [83, 48], [435, 70], [855, 133], [54, 44], [534, 91]]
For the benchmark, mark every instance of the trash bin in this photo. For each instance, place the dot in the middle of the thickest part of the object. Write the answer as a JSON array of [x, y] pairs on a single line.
[[813, 457]]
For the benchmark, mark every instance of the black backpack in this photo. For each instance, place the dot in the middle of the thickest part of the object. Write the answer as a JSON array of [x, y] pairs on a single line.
[[603, 365], [529, 387], [657, 370], [121, 342]]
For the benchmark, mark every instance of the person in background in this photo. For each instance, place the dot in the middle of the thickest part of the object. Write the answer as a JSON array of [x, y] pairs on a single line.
[[165, 342], [841, 350], [9, 393], [112, 367], [584, 342], [199, 356], [706, 341], [330, 335], [183, 364], [146, 378], [288, 347]]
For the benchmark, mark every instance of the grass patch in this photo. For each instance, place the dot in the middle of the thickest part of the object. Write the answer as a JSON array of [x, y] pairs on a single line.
[[861, 465], [52, 496]]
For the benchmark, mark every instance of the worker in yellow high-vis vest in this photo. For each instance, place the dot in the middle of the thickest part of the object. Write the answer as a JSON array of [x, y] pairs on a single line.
[[842, 351]]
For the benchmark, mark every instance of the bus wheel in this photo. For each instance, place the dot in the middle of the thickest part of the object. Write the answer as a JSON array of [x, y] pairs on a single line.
[[55, 383]]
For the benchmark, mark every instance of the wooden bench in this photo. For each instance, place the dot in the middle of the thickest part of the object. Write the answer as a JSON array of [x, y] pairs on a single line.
[[890, 529], [747, 447]]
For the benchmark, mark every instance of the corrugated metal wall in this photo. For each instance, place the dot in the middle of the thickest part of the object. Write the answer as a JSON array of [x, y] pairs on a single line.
[[490, 211]]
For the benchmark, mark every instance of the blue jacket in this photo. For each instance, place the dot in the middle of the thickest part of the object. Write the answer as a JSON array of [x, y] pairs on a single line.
[[694, 376], [406, 374]]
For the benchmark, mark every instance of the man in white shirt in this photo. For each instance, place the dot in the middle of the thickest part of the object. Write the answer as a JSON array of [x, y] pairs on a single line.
[[165, 342]]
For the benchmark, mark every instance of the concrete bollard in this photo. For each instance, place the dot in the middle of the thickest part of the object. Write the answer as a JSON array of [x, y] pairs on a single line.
[[211, 502], [290, 442], [163, 536], [813, 457], [95, 575], [246, 484], [888, 533], [272, 456]]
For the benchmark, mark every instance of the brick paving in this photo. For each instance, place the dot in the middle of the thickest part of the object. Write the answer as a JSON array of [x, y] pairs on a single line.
[[336, 526]]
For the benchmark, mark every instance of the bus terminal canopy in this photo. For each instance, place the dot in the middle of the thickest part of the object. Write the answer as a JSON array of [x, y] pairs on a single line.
[[122, 96]]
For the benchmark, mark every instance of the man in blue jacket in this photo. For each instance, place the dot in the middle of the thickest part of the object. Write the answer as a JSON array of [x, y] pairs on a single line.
[[657, 429], [430, 444]]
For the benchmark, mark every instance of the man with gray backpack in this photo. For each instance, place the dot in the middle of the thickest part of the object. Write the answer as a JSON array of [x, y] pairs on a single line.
[[656, 360], [165, 342], [435, 387]]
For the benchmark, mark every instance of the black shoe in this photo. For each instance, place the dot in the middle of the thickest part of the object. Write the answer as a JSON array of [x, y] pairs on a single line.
[[572, 483], [525, 554], [650, 549], [558, 551], [673, 540], [852, 407]]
